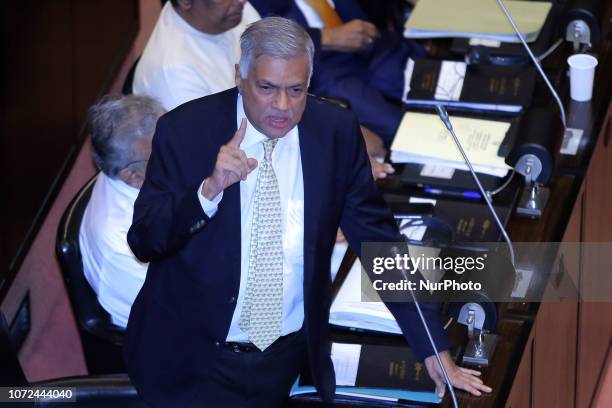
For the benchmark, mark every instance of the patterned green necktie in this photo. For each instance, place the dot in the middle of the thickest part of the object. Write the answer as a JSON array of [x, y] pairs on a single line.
[[262, 311]]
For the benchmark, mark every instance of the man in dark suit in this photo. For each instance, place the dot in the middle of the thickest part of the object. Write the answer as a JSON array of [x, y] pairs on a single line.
[[354, 60], [239, 226]]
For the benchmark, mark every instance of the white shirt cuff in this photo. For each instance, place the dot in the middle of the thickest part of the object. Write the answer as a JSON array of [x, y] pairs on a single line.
[[209, 207]]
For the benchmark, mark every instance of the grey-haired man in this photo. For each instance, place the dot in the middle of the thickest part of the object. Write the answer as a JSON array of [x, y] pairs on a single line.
[[121, 131], [238, 215]]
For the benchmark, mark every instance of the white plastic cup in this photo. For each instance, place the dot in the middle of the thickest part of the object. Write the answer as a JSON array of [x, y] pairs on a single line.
[[582, 72]]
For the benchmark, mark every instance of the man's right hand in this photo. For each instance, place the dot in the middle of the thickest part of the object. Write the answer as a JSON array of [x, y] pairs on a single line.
[[354, 36], [232, 165]]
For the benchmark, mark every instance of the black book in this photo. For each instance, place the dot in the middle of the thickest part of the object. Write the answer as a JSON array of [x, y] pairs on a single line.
[[470, 87], [376, 372], [469, 220]]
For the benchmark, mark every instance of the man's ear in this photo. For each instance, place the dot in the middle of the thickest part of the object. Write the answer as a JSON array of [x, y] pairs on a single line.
[[185, 4], [237, 76]]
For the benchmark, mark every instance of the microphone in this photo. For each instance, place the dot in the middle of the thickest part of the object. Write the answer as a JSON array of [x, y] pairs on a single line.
[[581, 22], [535, 62], [445, 119], [395, 252]]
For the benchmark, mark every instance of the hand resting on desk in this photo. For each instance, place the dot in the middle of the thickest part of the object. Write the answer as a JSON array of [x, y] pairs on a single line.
[[460, 377]]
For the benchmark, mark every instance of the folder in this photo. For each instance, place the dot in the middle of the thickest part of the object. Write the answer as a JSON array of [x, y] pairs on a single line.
[[476, 18], [423, 138]]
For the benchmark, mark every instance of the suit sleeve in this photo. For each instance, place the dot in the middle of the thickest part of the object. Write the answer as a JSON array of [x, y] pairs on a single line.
[[366, 218], [166, 213]]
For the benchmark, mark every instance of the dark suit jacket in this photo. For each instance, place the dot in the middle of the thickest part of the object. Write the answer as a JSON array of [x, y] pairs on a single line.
[[183, 312]]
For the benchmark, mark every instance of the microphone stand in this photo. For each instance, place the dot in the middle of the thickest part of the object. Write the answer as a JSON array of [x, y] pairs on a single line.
[[441, 110]]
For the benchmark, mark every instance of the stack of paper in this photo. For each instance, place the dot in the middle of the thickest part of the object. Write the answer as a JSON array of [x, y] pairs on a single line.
[[348, 310], [476, 18], [351, 310], [422, 138]]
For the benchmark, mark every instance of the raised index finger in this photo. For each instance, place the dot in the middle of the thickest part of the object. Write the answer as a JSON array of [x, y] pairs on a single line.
[[239, 135], [371, 30]]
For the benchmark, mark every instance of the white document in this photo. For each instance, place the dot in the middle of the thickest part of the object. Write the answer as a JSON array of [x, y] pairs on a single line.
[[421, 200], [485, 42], [450, 81], [571, 141], [345, 358], [348, 309], [337, 257], [442, 172]]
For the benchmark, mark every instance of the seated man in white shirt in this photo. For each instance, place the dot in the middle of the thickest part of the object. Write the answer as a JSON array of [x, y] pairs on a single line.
[[121, 133], [192, 50]]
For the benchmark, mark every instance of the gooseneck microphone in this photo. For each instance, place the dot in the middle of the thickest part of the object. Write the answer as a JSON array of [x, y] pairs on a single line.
[[535, 62], [395, 252], [444, 116]]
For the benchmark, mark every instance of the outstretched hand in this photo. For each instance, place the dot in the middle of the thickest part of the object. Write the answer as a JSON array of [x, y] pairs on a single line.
[[462, 378], [232, 165]]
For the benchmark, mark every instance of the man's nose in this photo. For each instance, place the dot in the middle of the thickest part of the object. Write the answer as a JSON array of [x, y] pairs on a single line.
[[281, 102]]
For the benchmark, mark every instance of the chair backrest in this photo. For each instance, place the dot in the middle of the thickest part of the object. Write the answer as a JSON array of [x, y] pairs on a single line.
[[11, 373], [90, 315], [90, 391], [101, 339], [128, 84]]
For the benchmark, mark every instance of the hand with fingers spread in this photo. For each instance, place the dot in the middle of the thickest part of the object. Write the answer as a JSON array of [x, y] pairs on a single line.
[[354, 36], [460, 377], [232, 165]]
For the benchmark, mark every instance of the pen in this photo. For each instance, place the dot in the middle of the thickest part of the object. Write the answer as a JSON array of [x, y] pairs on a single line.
[[460, 194]]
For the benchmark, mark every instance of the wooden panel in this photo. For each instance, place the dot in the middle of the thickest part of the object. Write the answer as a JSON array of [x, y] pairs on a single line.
[[554, 355], [520, 394], [37, 123], [595, 333], [603, 396], [595, 327], [58, 57], [599, 193]]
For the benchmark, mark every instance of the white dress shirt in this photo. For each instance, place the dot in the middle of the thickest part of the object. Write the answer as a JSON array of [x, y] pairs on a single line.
[[287, 164], [311, 16], [110, 267], [180, 63]]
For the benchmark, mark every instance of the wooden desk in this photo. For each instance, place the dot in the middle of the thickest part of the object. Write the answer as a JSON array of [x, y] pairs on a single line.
[[551, 354]]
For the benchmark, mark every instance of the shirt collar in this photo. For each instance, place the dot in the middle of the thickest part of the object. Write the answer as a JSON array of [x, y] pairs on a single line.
[[121, 187], [253, 136]]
